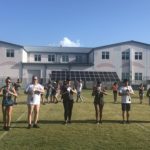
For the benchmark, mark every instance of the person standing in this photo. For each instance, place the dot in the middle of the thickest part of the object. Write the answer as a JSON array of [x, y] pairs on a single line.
[[98, 93], [141, 93], [115, 91], [48, 88], [16, 86], [54, 92], [67, 95], [58, 91], [148, 95], [125, 91], [7, 91], [79, 90], [34, 91]]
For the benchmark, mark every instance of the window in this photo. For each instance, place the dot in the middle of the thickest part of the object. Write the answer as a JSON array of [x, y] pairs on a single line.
[[125, 75], [125, 55], [37, 57], [10, 53], [65, 58], [78, 59], [138, 55], [105, 55], [51, 58], [138, 76]]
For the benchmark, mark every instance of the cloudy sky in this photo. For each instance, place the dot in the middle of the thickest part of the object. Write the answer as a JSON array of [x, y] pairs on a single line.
[[86, 23]]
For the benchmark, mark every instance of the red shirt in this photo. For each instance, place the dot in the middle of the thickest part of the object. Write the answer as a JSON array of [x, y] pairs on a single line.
[[115, 87]]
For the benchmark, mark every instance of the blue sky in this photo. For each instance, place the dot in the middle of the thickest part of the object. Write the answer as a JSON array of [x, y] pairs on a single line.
[[86, 23]]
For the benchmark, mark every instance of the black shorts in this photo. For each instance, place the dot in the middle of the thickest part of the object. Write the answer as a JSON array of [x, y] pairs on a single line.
[[126, 107]]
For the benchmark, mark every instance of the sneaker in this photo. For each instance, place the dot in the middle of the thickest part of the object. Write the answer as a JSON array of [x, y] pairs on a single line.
[[36, 126], [29, 126], [7, 128], [69, 121], [65, 122], [55, 102], [127, 121], [4, 127], [97, 122], [15, 103], [123, 122]]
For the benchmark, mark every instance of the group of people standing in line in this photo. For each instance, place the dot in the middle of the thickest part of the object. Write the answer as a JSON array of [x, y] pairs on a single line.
[[35, 92]]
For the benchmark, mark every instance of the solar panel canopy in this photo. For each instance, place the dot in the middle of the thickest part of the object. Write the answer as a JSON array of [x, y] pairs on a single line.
[[85, 76]]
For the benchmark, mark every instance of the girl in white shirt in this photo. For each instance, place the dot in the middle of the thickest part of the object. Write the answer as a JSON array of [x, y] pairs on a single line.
[[34, 91], [125, 92]]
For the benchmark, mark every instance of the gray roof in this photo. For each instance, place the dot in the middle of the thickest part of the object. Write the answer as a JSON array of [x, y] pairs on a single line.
[[57, 49], [7, 43], [85, 50], [132, 42]]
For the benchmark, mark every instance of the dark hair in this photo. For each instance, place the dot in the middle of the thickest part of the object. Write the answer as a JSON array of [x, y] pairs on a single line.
[[34, 77], [98, 82], [115, 83], [8, 78], [68, 79], [125, 80]]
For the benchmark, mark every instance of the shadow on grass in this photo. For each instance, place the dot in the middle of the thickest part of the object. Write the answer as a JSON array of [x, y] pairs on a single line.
[[21, 103], [82, 121]]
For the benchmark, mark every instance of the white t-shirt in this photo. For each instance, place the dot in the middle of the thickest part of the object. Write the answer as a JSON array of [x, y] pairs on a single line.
[[126, 98], [34, 97], [79, 87]]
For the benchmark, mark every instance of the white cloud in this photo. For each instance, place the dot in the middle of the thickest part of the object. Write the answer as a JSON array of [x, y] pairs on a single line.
[[66, 42]]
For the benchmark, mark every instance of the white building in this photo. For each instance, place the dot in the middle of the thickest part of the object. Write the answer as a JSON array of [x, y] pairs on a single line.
[[128, 59]]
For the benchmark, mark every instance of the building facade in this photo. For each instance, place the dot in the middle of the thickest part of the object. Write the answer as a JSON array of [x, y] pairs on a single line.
[[128, 59]]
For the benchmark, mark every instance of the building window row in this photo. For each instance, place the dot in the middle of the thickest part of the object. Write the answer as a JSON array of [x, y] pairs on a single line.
[[125, 55], [65, 58], [138, 55], [37, 57], [79, 59], [105, 55], [126, 75], [10, 53], [52, 58], [138, 76]]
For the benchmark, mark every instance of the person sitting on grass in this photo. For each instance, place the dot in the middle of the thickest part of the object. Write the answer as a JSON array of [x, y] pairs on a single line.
[[125, 91]]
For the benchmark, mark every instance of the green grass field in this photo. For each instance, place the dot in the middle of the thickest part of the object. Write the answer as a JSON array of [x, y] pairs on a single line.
[[83, 133]]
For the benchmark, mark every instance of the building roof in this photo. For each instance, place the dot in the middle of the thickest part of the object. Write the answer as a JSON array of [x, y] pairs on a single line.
[[57, 49], [80, 50], [7, 43], [132, 42]]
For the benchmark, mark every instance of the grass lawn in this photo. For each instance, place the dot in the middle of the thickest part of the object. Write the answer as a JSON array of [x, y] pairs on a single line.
[[83, 133]]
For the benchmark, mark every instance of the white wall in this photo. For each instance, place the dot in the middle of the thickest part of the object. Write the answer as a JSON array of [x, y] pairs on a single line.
[[44, 57], [115, 63], [24, 56], [9, 66]]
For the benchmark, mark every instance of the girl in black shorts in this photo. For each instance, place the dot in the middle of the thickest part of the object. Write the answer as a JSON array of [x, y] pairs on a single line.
[[7, 92], [98, 93]]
